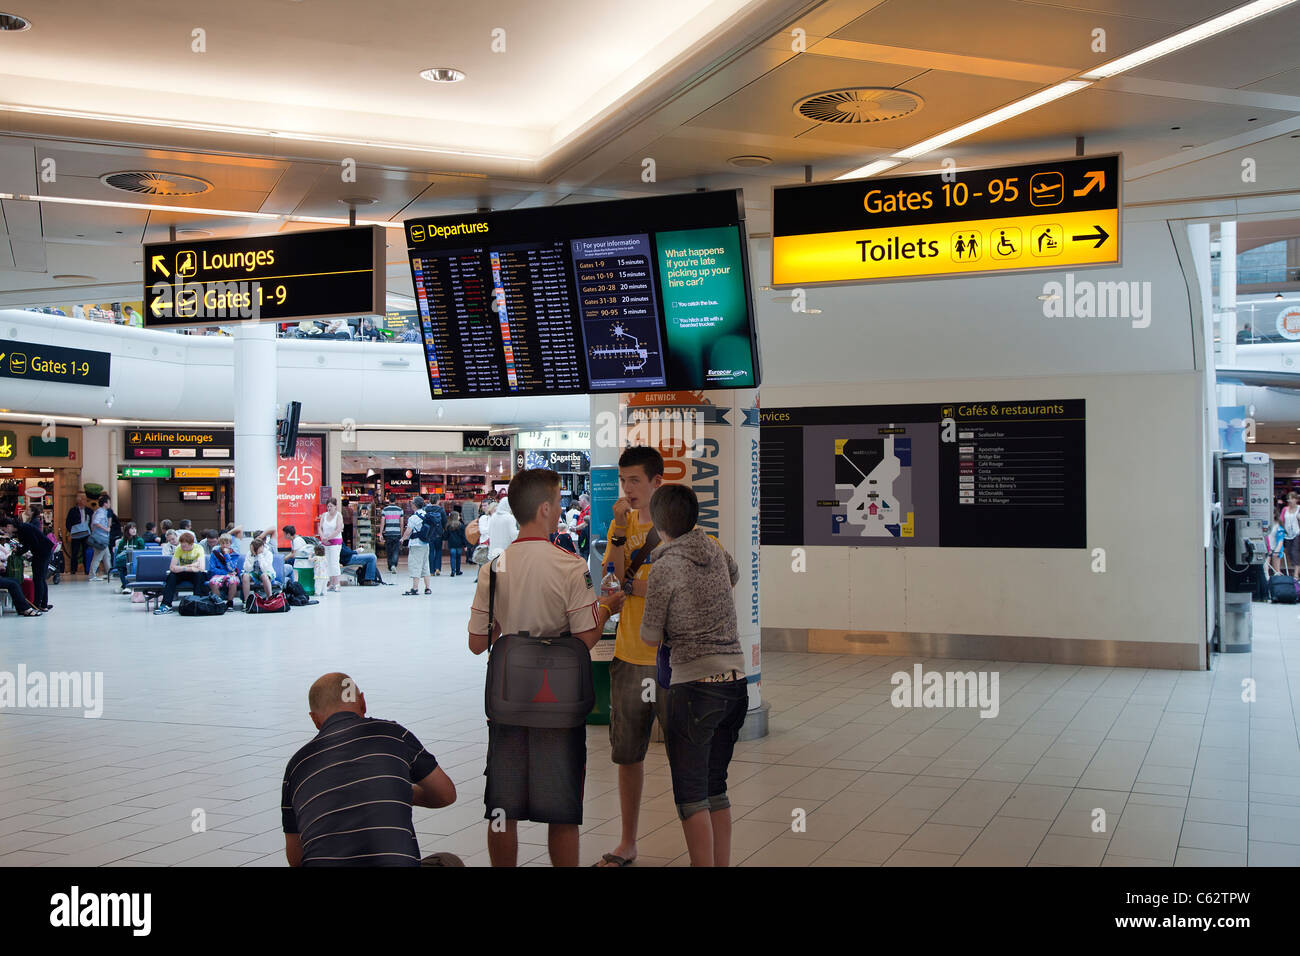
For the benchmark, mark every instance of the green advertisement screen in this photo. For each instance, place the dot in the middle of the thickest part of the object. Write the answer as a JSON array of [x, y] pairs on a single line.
[[706, 312]]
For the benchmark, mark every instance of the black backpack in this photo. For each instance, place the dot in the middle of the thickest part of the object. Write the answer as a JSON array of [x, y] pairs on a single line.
[[430, 524], [536, 681], [203, 605], [295, 595]]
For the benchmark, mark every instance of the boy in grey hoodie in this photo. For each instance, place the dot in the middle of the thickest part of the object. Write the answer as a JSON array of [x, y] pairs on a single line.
[[690, 612]]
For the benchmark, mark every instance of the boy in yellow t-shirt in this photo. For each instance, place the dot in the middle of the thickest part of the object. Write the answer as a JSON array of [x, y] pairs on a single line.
[[634, 698]]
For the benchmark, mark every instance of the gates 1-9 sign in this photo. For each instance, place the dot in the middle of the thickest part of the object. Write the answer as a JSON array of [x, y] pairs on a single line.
[[1057, 215]]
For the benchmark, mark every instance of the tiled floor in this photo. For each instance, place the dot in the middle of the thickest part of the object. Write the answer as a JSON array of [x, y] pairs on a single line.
[[1083, 766]]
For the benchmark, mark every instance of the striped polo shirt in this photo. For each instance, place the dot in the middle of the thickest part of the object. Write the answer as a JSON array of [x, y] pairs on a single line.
[[348, 793]]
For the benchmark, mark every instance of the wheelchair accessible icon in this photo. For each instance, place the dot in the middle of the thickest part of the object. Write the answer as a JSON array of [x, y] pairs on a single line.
[[1005, 243]]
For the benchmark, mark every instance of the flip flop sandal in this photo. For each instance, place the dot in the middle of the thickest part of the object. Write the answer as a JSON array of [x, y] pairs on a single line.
[[412, 591], [618, 861], [31, 612]]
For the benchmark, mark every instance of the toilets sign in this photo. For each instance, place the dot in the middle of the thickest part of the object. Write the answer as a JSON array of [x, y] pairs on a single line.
[[1043, 216]]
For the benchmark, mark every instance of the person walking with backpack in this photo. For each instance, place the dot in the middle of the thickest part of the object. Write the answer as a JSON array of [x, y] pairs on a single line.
[[435, 519], [691, 616], [417, 555], [535, 773], [391, 520]]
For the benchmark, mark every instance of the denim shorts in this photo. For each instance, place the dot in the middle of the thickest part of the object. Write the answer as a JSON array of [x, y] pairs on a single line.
[[704, 723]]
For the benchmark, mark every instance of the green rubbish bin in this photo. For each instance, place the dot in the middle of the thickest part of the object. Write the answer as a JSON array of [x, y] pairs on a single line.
[[601, 655], [306, 578]]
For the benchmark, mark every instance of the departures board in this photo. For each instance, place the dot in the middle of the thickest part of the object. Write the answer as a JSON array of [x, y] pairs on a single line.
[[616, 296]]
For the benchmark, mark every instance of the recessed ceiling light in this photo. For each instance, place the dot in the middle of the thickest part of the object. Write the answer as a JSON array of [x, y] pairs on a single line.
[[12, 23], [442, 74], [358, 201], [1187, 146], [71, 277], [748, 162]]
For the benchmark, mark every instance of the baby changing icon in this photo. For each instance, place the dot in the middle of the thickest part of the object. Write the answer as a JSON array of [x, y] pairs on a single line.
[[1046, 240]]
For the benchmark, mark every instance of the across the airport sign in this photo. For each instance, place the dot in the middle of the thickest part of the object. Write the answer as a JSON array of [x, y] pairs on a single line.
[[1055, 215], [318, 274]]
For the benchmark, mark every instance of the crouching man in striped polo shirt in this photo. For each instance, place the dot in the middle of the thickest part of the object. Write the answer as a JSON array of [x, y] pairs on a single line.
[[348, 794]]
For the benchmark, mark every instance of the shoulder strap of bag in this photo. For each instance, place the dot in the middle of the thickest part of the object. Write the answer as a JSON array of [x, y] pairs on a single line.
[[492, 600], [643, 552]]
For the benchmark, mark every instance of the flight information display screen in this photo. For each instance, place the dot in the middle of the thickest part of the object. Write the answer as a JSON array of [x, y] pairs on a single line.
[[600, 297]]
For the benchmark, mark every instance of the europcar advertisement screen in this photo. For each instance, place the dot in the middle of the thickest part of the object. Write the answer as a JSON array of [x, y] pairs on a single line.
[[601, 297]]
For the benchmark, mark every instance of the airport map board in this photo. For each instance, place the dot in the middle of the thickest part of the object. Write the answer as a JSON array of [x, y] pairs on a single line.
[[318, 274], [619, 296], [1043, 216], [951, 475]]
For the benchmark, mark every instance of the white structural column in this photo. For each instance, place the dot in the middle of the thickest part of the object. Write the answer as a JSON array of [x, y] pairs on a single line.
[[1228, 324], [256, 459]]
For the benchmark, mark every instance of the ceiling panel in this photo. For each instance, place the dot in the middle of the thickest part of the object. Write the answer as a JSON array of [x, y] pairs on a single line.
[[1140, 125], [1287, 82], [1240, 57], [767, 105], [1004, 29], [98, 224], [224, 172]]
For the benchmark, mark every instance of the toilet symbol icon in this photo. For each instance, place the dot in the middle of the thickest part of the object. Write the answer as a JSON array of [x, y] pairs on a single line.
[[965, 246]]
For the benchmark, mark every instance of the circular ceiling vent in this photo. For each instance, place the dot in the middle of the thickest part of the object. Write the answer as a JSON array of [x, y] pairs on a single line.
[[857, 105], [150, 183]]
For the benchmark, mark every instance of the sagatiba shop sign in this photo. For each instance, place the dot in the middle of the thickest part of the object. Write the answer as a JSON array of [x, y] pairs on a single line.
[[169, 443], [1042, 216]]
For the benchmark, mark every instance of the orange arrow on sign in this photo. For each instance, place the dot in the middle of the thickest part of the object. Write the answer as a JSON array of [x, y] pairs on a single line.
[[1094, 177]]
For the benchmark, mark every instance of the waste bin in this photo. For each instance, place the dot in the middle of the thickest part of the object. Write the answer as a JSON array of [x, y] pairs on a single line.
[[306, 578], [1235, 632], [601, 655]]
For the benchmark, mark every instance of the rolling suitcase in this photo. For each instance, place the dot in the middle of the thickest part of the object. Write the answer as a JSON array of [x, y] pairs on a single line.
[[1282, 588]]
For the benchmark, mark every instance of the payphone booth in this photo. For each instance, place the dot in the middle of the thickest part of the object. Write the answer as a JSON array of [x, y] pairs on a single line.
[[1244, 492]]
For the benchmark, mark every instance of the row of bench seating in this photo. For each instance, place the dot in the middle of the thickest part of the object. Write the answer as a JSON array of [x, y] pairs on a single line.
[[149, 567]]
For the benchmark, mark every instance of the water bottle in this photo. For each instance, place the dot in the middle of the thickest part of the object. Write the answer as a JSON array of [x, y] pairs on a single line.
[[610, 584]]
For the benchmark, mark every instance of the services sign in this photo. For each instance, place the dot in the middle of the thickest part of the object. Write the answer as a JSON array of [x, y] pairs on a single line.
[[1041, 216]]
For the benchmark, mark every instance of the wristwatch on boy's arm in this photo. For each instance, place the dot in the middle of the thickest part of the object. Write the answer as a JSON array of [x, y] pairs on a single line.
[[617, 535]]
